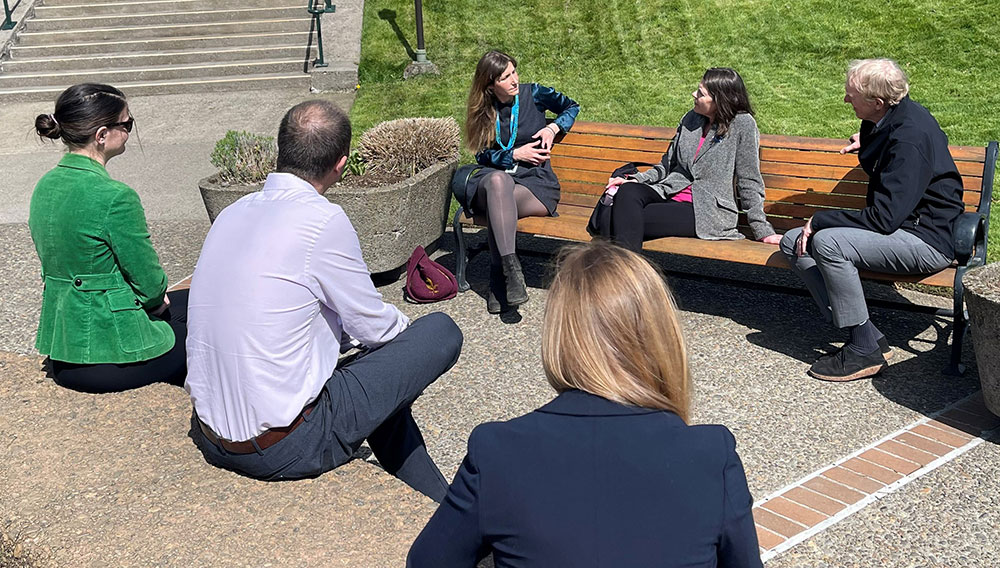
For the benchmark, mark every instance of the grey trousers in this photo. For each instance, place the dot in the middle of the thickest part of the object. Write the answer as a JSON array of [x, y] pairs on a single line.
[[367, 398], [830, 269]]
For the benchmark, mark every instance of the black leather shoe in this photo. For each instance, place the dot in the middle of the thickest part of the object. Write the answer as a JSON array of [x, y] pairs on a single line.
[[497, 290], [846, 365], [517, 292], [883, 346]]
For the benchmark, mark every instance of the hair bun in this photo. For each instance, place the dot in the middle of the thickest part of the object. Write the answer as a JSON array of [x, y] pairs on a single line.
[[47, 127]]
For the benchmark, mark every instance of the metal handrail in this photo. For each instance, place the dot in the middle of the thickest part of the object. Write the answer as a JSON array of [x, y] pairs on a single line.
[[8, 23], [316, 14]]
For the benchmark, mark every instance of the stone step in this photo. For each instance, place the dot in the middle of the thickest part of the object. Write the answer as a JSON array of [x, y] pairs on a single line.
[[10, 81], [30, 38], [21, 51], [153, 58], [84, 24], [79, 8], [191, 85]]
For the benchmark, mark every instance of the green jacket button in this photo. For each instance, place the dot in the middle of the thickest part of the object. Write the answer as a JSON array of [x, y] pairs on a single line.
[[78, 282], [137, 301]]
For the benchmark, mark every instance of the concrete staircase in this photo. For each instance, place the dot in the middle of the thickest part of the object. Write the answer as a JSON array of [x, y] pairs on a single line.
[[160, 46]]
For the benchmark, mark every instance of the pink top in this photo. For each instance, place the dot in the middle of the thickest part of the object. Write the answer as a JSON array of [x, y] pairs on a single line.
[[684, 195]]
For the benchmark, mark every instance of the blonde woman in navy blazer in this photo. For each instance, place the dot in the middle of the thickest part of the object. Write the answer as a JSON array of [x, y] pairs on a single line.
[[609, 473]]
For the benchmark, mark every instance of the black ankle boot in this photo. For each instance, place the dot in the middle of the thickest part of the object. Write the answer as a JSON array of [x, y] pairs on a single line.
[[517, 293], [497, 291]]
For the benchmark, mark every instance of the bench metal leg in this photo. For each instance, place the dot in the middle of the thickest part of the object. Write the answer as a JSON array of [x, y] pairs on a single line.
[[960, 324], [461, 253]]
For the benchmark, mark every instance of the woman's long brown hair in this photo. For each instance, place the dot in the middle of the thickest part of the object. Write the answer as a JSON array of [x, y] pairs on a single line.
[[480, 114]]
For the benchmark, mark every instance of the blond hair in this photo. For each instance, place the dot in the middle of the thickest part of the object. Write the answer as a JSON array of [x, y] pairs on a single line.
[[611, 329], [879, 79]]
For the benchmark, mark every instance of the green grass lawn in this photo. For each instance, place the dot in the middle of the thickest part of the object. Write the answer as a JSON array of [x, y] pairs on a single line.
[[637, 61]]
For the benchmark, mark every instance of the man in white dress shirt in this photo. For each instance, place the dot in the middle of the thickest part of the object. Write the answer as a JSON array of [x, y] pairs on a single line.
[[278, 294]]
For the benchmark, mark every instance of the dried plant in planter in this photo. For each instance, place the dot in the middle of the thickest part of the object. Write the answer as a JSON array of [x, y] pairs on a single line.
[[244, 158], [400, 148]]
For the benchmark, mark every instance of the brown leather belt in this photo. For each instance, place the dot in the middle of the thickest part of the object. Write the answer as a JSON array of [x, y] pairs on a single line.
[[264, 440]]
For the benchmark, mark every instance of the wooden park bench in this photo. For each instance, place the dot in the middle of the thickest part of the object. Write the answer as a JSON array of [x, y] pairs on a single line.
[[801, 176]]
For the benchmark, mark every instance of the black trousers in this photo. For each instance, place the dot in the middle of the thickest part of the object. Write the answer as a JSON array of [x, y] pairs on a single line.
[[366, 398], [640, 214], [171, 367]]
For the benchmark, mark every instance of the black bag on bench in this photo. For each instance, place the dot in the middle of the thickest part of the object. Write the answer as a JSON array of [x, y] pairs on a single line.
[[602, 211]]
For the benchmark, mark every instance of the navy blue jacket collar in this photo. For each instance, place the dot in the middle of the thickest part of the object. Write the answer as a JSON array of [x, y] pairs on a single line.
[[580, 403]]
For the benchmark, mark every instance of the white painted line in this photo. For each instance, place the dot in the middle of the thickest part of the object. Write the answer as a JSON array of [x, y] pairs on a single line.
[[851, 509], [172, 286]]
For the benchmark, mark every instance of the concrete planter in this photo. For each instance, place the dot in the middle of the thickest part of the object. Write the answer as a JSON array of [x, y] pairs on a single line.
[[390, 220], [982, 295]]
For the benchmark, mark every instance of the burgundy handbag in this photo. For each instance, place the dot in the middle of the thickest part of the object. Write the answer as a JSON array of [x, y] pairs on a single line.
[[428, 281]]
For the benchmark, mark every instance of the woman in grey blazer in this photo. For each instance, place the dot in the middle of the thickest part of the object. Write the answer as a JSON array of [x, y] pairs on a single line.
[[690, 193]]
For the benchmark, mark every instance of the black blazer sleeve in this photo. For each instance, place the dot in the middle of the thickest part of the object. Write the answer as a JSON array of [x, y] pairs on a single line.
[[903, 178], [738, 545], [453, 536]]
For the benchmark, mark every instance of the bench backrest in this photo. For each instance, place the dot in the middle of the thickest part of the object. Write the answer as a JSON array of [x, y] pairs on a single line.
[[801, 175]]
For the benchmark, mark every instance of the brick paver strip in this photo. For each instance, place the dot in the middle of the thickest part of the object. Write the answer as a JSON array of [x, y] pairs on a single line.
[[814, 500], [961, 433], [820, 500], [936, 448], [947, 438], [907, 452], [795, 512], [768, 539], [874, 471], [851, 479], [773, 522], [883, 459], [835, 490]]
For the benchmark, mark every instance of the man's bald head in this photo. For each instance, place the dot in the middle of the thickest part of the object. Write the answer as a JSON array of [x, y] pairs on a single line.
[[313, 137]]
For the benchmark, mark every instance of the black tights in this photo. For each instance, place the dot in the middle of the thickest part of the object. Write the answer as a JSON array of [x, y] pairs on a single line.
[[640, 214], [505, 202], [171, 367]]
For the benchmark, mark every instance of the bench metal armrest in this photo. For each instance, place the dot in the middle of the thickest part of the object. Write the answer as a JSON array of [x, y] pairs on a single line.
[[970, 236]]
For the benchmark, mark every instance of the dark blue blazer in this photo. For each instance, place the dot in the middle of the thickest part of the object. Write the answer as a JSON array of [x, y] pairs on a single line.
[[584, 482]]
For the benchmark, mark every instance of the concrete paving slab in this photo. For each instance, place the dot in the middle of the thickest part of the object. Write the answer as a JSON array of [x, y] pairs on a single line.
[[115, 480], [749, 350]]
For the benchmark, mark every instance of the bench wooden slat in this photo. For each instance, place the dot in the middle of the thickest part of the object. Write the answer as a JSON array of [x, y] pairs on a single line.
[[574, 138], [609, 158], [966, 168], [964, 153], [838, 195], [611, 129]]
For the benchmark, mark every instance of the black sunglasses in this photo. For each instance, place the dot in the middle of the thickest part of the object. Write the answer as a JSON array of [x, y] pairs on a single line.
[[127, 125]]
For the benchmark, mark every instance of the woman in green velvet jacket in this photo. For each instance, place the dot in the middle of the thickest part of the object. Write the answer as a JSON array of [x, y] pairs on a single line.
[[107, 323]]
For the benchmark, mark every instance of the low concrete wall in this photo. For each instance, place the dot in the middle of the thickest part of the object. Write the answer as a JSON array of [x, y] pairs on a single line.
[[22, 10], [982, 294], [341, 48]]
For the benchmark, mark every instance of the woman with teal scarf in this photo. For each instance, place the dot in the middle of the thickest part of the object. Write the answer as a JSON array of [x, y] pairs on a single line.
[[507, 130], [107, 323]]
